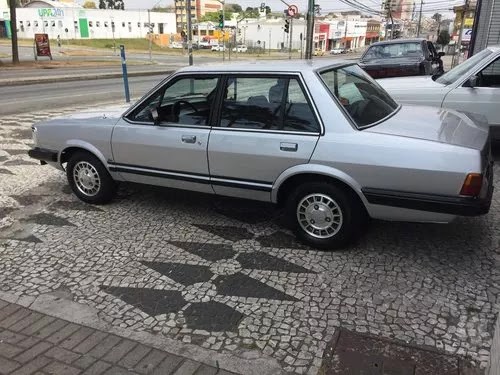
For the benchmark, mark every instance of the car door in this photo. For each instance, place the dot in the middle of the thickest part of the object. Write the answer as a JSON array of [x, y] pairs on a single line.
[[163, 140], [267, 124], [483, 98]]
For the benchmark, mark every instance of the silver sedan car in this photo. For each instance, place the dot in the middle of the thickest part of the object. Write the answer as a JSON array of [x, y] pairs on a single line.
[[321, 139]]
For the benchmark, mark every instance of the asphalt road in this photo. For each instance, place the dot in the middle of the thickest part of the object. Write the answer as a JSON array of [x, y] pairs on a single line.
[[29, 98]]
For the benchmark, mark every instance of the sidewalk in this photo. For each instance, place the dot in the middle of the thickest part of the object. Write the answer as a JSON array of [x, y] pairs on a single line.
[[35, 343]]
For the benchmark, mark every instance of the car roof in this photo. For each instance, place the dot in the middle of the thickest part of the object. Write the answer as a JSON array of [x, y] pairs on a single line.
[[495, 48], [394, 41], [269, 66]]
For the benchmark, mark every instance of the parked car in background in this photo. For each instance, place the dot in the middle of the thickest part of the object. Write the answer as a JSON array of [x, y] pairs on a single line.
[[318, 52], [337, 51], [323, 140], [204, 45], [218, 48], [473, 86], [176, 45], [240, 48], [401, 57]]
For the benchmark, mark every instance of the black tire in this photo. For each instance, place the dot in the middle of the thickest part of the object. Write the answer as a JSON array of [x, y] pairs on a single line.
[[107, 186], [353, 214]]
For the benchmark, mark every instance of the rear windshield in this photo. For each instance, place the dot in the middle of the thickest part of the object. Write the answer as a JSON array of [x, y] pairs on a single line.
[[393, 50], [362, 98]]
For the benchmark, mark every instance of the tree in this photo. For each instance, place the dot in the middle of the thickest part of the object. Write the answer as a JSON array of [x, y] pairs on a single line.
[[214, 16], [443, 38], [167, 9], [111, 4], [251, 12], [13, 30], [235, 8], [437, 17], [89, 5]]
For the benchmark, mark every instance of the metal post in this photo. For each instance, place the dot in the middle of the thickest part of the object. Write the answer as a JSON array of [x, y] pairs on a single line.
[[456, 58], [223, 34], [150, 41], [420, 18], [290, 42], [477, 14], [189, 32], [13, 32], [125, 75], [310, 29], [269, 46]]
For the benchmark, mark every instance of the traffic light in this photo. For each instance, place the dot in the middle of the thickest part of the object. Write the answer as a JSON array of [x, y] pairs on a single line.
[[221, 20], [287, 26]]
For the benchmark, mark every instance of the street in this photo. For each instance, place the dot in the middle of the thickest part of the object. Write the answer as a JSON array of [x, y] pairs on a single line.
[[29, 98], [226, 276]]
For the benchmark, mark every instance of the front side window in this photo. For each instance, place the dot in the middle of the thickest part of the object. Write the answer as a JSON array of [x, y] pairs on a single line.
[[362, 98], [187, 101], [393, 50], [269, 103], [490, 76], [464, 69]]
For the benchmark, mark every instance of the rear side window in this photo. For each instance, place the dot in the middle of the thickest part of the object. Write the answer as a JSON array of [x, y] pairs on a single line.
[[267, 103], [362, 98]]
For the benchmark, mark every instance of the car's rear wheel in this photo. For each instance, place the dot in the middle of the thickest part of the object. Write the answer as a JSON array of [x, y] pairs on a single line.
[[324, 215], [89, 179]]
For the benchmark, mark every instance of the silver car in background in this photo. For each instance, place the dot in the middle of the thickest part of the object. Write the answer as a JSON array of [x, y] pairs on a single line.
[[321, 139]]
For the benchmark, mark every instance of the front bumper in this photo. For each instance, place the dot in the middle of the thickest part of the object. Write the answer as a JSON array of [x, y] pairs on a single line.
[[42, 154]]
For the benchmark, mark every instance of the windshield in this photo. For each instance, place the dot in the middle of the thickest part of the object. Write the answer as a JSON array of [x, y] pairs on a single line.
[[464, 69], [393, 50], [363, 99]]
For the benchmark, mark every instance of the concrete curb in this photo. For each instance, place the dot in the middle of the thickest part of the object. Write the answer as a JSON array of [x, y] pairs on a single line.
[[85, 77], [494, 367], [250, 362]]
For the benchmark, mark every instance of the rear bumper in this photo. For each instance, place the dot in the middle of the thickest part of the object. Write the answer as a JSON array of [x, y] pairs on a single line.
[[452, 205], [43, 154]]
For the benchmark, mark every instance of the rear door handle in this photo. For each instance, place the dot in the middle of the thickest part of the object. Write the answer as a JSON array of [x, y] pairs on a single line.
[[189, 138], [292, 147]]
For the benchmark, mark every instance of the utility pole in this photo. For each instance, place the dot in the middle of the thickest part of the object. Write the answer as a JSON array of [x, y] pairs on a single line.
[[456, 58], [419, 18], [13, 32], [290, 41], [189, 32], [310, 29], [150, 36]]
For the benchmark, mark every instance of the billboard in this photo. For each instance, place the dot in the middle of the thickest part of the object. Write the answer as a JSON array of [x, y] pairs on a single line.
[[42, 46]]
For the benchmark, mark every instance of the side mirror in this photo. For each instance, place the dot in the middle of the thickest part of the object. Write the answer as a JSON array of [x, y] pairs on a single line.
[[441, 54], [155, 116], [471, 82]]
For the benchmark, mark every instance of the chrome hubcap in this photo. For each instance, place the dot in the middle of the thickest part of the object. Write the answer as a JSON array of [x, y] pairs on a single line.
[[319, 215], [86, 178]]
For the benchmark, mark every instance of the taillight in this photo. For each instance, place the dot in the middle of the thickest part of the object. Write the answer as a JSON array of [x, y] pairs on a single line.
[[472, 185]]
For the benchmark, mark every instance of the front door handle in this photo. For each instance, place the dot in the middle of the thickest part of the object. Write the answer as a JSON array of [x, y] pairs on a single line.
[[284, 146], [189, 138]]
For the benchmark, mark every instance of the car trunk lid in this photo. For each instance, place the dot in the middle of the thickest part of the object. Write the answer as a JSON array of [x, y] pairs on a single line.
[[438, 125]]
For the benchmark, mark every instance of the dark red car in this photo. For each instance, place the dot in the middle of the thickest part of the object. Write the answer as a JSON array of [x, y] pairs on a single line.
[[401, 57]]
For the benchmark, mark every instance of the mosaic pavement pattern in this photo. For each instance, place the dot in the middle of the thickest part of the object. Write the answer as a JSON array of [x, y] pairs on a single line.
[[226, 275]]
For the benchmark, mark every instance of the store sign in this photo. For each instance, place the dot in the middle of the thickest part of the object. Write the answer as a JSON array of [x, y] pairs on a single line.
[[466, 35], [42, 45], [51, 12]]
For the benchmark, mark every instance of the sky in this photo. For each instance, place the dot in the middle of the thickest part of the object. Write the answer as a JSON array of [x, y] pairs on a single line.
[[277, 5]]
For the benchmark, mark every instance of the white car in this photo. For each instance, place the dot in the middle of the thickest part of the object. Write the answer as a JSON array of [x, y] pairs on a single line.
[[473, 86], [218, 48], [240, 48], [176, 45], [337, 51]]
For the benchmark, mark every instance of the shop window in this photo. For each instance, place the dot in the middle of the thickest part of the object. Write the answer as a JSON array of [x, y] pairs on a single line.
[[123, 24], [97, 23], [139, 25], [105, 23], [53, 24], [91, 24], [28, 23], [46, 23], [36, 24], [130, 27]]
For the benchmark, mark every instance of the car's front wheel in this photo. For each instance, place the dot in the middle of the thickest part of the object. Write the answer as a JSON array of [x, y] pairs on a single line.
[[89, 179], [324, 215]]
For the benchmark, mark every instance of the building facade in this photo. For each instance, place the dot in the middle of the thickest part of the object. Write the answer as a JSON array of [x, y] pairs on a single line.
[[198, 9], [487, 30], [70, 22]]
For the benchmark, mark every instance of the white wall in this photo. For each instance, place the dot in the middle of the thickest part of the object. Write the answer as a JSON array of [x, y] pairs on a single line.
[[55, 21], [271, 32]]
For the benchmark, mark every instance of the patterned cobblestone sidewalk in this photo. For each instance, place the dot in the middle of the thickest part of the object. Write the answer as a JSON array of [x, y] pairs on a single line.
[[226, 276], [34, 343]]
